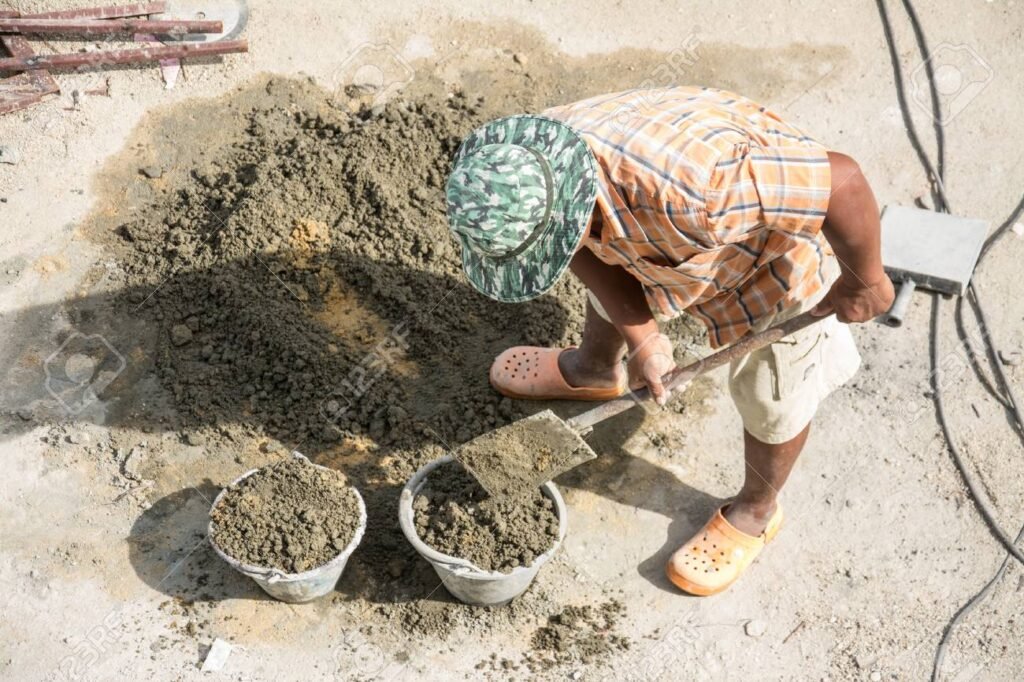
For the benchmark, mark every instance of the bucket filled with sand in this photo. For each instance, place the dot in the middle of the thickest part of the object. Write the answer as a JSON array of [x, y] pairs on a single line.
[[485, 550], [290, 526]]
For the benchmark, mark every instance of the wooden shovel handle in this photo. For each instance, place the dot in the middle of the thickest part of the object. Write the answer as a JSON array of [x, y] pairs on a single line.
[[682, 375]]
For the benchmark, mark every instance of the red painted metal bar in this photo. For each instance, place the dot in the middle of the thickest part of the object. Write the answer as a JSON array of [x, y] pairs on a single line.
[[108, 26], [115, 12], [148, 54]]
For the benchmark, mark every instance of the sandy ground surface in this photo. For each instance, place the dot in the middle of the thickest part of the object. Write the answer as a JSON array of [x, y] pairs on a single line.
[[102, 577]]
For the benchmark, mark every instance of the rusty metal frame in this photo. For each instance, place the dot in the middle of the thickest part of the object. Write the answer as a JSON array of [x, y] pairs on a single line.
[[27, 88], [30, 87]]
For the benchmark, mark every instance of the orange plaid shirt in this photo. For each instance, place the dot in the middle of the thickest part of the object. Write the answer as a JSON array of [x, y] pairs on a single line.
[[712, 201]]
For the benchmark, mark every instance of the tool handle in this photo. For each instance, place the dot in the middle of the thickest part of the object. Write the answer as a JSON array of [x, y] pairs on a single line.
[[894, 318], [682, 375]]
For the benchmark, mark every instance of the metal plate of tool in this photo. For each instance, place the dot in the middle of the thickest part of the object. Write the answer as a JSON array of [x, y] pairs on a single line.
[[513, 460], [936, 250], [233, 14]]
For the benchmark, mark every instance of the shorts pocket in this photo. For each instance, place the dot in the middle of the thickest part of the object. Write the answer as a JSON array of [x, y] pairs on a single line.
[[796, 360]]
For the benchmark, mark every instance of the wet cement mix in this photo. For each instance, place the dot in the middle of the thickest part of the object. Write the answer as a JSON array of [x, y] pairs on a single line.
[[291, 516], [454, 515]]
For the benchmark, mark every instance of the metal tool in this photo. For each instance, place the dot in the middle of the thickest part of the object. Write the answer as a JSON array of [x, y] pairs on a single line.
[[558, 445], [930, 250]]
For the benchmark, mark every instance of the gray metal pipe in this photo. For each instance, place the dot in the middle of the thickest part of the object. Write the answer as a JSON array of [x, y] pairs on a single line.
[[894, 318]]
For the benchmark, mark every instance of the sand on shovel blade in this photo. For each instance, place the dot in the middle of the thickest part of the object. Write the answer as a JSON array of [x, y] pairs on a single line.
[[514, 460]]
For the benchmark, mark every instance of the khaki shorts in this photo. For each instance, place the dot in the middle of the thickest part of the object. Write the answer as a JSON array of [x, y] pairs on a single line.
[[778, 388]]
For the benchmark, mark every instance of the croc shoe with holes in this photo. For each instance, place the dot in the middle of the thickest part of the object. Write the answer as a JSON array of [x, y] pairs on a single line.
[[532, 373], [716, 556]]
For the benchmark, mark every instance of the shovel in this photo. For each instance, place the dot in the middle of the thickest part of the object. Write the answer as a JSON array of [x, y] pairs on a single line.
[[515, 459]]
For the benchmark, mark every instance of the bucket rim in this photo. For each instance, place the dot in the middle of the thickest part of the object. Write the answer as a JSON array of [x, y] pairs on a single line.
[[463, 567], [275, 575]]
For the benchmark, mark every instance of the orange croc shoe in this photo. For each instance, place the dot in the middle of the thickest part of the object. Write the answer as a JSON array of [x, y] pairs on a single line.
[[716, 556], [532, 373]]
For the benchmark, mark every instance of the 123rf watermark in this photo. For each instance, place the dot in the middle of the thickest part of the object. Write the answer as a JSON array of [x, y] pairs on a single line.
[[377, 69], [89, 650], [81, 369], [671, 71], [960, 75]]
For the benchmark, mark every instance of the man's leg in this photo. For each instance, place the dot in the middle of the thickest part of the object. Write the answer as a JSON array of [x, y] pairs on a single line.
[[598, 360], [767, 468]]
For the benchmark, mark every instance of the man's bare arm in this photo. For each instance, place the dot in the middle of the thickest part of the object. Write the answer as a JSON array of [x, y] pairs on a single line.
[[863, 290], [620, 294], [623, 300]]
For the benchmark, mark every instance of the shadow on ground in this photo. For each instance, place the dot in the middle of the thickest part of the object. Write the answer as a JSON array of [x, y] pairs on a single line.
[[160, 386], [171, 535], [635, 482]]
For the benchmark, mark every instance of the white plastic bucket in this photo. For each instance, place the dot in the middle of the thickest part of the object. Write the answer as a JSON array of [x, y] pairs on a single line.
[[467, 582], [294, 587]]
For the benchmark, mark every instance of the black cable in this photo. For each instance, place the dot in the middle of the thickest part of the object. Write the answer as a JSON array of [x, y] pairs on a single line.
[[901, 97], [1013, 403], [1002, 229], [972, 356], [940, 412], [954, 450], [929, 69], [1015, 408], [961, 613], [1009, 400]]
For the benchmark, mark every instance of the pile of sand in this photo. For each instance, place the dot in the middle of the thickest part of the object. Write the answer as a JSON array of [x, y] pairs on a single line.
[[307, 282], [581, 633]]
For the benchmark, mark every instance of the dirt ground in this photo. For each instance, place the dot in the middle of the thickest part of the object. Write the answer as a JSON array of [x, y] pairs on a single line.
[[105, 570]]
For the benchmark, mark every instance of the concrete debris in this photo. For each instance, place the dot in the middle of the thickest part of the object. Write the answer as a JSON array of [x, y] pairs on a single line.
[[9, 155], [78, 438], [131, 464], [217, 656], [755, 628], [180, 335], [1011, 358]]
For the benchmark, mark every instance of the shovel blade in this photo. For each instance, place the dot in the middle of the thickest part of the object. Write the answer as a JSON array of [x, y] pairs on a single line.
[[515, 460]]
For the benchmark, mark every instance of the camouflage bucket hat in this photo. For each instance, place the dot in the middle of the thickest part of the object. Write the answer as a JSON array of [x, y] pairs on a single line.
[[520, 196]]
